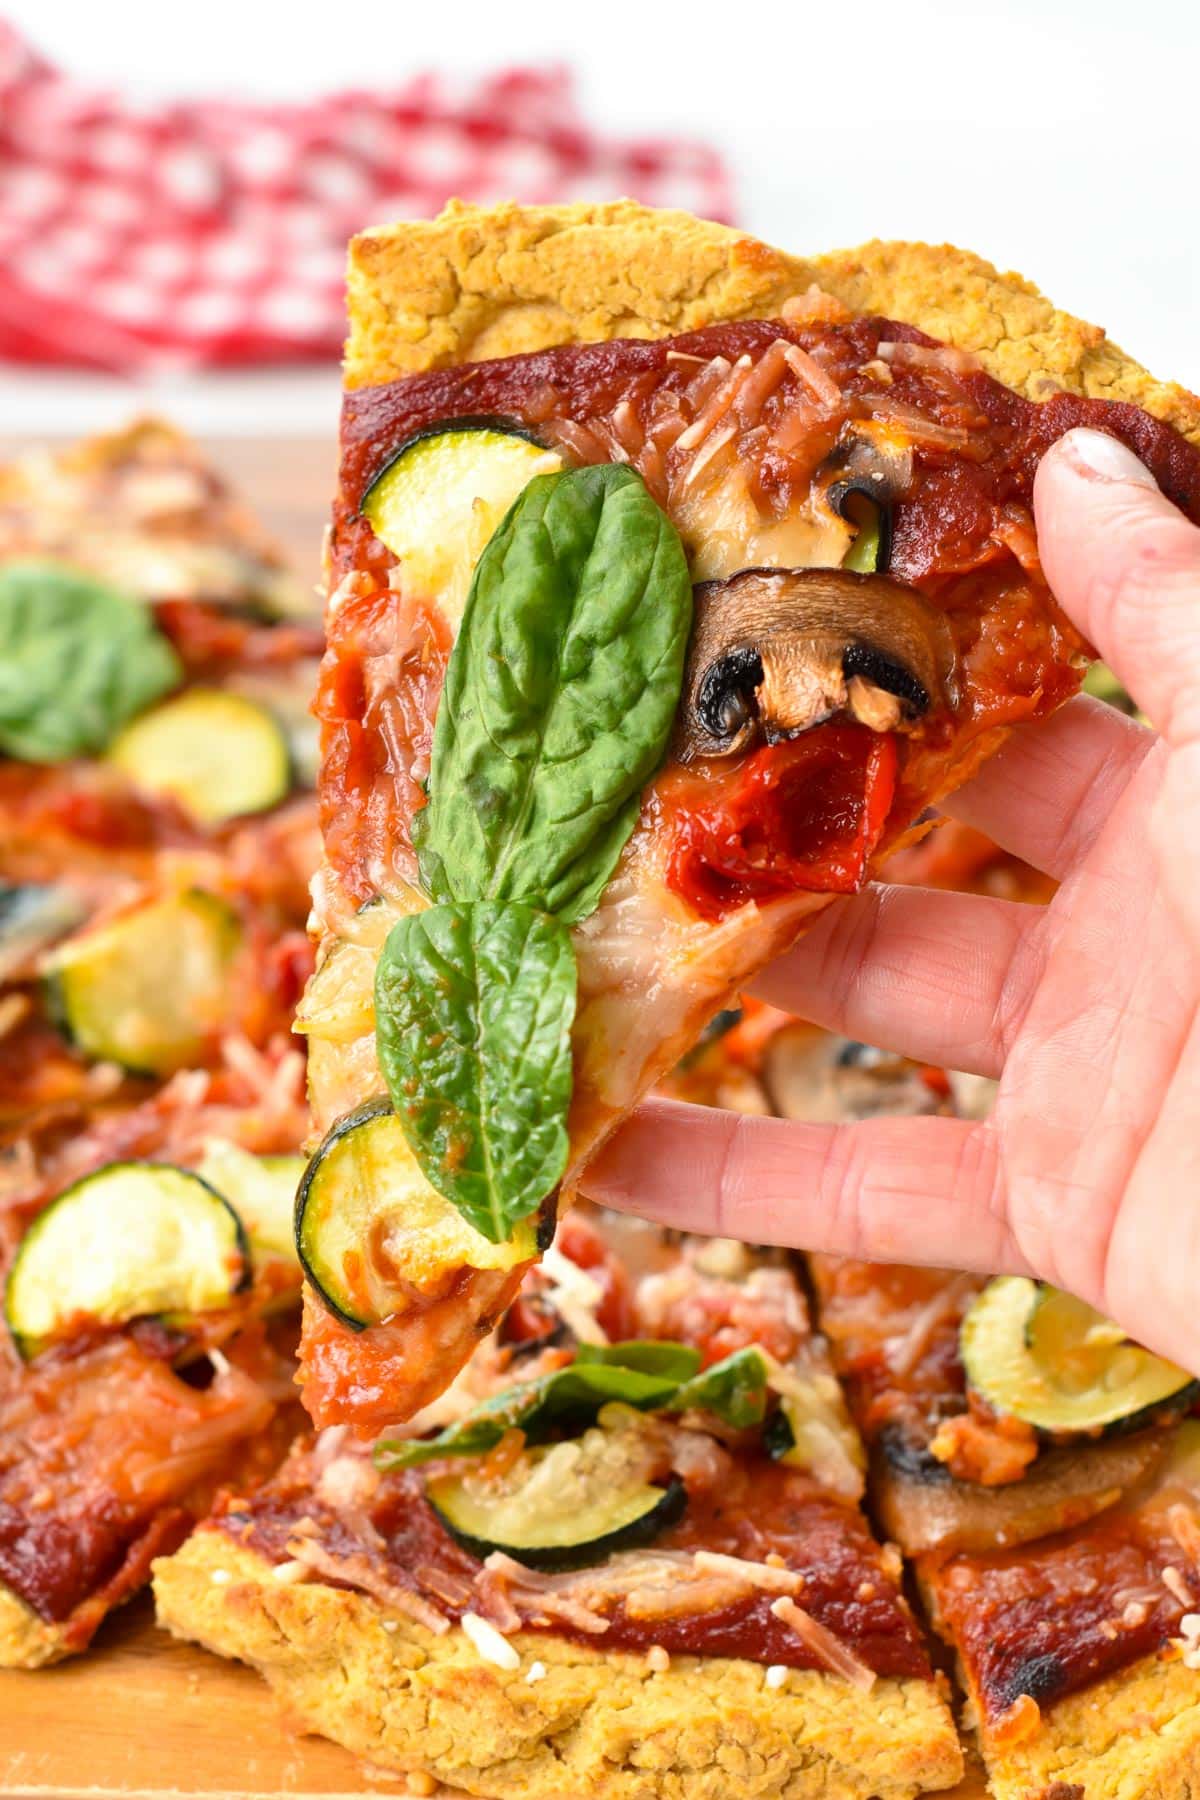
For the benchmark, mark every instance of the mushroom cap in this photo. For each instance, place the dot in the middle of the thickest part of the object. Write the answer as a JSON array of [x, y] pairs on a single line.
[[777, 651]]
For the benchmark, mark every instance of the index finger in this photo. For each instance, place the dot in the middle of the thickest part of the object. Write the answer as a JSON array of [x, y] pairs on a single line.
[[1125, 565], [890, 1190]]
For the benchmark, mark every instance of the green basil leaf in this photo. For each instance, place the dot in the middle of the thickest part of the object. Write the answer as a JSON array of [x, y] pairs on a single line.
[[473, 1007], [569, 1398], [560, 695], [734, 1390], [77, 659], [652, 1356]]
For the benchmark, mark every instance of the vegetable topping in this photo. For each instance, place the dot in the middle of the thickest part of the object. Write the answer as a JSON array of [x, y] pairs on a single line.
[[1037, 1354], [77, 659], [133, 1239], [559, 699]]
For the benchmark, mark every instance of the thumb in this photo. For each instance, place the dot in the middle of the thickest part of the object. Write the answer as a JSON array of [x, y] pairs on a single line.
[[1124, 564]]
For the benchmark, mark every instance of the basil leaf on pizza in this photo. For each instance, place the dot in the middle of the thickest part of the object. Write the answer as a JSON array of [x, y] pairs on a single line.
[[652, 1356], [733, 1390], [77, 659], [560, 695], [569, 1398], [474, 1005]]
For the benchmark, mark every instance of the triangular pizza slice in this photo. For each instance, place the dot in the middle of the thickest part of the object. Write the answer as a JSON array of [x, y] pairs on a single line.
[[671, 580]]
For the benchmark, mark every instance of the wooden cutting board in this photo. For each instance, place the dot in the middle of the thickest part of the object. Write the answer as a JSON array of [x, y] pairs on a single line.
[[142, 1717]]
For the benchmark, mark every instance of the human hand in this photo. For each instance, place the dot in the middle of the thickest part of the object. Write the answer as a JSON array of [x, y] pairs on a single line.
[[1087, 1174]]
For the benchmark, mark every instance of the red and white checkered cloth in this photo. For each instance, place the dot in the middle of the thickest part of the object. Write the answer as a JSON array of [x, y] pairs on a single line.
[[135, 238]]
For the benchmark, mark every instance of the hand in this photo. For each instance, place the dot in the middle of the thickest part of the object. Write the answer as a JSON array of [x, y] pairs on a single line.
[[1088, 1172]]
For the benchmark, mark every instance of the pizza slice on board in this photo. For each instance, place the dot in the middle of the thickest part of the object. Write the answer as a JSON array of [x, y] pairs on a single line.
[[672, 579], [623, 1554], [156, 840], [1040, 1472]]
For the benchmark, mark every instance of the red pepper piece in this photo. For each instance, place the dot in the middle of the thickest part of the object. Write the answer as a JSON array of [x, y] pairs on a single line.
[[801, 815]]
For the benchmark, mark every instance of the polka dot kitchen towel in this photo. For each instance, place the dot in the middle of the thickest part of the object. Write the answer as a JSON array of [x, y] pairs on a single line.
[[213, 233]]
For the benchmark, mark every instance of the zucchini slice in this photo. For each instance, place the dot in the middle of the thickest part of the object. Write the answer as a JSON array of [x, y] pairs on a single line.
[[134, 1239], [564, 1506], [369, 1227], [1038, 1354], [868, 554], [149, 989], [220, 754], [438, 501], [812, 1430], [262, 1192], [338, 1005]]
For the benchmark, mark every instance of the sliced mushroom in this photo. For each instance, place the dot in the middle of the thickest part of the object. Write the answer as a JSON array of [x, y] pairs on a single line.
[[869, 470], [777, 651], [922, 1507], [811, 1075]]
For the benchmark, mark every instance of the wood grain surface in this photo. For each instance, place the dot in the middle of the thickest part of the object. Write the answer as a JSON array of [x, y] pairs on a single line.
[[141, 1717]]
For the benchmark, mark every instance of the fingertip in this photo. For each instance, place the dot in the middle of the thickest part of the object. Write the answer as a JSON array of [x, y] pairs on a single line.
[[1124, 564], [1093, 456]]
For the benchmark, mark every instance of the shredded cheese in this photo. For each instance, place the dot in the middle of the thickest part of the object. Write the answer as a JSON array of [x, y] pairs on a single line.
[[769, 1577], [824, 1645], [574, 1296], [490, 1644], [289, 1572], [1177, 1587]]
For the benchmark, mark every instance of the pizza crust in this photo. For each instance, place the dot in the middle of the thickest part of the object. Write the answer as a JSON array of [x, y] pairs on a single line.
[[482, 282], [600, 1724], [27, 1641], [1133, 1736]]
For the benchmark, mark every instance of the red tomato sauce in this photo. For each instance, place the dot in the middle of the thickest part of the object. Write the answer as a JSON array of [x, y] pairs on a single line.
[[765, 1508], [802, 814], [1046, 1619], [376, 698]]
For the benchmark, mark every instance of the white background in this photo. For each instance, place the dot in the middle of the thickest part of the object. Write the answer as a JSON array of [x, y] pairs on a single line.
[[1057, 138]]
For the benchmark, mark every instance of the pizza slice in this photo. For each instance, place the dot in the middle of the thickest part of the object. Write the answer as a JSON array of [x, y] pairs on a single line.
[[1040, 1473], [156, 840], [157, 821], [147, 1358], [621, 1555], [671, 579]]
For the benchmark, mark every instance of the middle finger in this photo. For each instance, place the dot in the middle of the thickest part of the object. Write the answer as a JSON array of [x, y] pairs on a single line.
[[943, 978]]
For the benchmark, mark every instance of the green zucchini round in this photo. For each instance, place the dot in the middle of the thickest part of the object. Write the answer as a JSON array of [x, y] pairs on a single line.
[[149, 989], [220, 754], [440, 496], [369, 1225], [133, 1240], [1035, 1353], [548, 1523], [262, 1191]]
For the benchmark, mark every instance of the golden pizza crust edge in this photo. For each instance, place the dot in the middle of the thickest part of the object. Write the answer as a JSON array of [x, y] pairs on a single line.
[[482, 282], [27, 1641], [1136, 1732], [598, 1724]]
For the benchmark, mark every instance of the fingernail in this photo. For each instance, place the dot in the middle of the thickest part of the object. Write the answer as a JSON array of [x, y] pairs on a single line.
[[1099, 457]]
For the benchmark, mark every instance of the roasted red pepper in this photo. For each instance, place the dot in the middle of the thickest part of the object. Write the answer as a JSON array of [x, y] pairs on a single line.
[[805, 815]]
